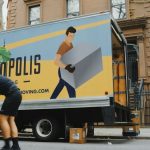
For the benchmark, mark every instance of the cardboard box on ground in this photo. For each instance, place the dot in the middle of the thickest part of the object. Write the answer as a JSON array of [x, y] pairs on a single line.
[[77, 135]]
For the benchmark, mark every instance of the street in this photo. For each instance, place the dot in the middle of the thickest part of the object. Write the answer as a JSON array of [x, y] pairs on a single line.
[[100, 144], [105, 139]]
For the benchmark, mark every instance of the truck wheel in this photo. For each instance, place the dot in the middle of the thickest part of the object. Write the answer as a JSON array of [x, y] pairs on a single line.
[[46, 129]]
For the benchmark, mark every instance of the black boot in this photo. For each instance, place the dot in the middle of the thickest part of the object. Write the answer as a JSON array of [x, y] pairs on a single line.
[[15, 144], [7, 144]]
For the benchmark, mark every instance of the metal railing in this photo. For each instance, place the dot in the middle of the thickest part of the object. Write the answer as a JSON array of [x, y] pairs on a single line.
[[136, 101], [139, 95], [146, 104]]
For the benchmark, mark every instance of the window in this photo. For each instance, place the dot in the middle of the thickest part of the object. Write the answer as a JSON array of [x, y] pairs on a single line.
[[119, 9], [72, 8], [34, 14]]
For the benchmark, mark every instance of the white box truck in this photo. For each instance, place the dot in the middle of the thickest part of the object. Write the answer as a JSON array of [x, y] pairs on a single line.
[[100, 78]]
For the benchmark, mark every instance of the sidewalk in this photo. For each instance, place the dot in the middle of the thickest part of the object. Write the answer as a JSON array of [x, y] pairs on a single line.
[[117, 133]]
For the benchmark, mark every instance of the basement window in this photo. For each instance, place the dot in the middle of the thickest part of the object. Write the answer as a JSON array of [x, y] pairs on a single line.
[[34, 14], [119, 9], [72, 8]]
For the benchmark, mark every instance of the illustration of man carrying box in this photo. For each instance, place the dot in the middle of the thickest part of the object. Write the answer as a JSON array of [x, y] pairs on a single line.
[[65, 46]]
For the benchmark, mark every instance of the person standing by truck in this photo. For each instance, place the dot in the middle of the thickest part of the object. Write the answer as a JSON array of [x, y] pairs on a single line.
[[65, 46], [8, 112]]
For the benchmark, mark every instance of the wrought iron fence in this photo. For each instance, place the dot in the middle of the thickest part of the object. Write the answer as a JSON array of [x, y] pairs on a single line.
[[146, 103]]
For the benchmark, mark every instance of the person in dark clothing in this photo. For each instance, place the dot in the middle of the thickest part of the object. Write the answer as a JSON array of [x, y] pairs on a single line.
[[65, 46], [8, 112]]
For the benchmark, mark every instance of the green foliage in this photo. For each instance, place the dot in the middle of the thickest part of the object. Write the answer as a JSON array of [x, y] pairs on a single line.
[[4, 54]]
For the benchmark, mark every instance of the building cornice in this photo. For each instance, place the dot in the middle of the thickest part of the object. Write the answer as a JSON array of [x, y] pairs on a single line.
[[133, 23]]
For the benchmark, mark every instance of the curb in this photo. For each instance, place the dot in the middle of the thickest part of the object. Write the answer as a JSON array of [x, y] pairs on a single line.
[[117, 137]]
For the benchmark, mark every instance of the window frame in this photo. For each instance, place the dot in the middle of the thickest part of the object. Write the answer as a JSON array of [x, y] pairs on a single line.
[[126, 10], [67, 14], [29, 8]]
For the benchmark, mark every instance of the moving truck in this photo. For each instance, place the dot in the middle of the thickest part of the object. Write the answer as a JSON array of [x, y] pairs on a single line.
[[100, 79]]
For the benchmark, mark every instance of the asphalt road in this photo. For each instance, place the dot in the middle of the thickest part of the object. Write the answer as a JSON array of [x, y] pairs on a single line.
[[105, 139], [96, 144]]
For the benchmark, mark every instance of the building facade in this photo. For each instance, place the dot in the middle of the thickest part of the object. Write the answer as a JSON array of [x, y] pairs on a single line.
[[1, 20], [24, 12], [133, 17]]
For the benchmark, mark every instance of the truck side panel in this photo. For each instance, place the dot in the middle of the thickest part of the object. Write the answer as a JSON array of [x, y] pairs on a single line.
[[33, 52]]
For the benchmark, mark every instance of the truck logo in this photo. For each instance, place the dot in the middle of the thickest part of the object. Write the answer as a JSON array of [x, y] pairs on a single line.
[[21, 66]]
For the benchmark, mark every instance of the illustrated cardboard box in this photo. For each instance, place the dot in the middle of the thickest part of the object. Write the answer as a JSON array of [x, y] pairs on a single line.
[[77, 135], [87, 60]]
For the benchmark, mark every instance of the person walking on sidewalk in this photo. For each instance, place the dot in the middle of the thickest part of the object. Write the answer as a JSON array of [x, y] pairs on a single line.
[[8, 112], [65, 46]]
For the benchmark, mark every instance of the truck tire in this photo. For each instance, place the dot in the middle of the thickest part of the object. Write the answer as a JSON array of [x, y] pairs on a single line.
[[45, 129]]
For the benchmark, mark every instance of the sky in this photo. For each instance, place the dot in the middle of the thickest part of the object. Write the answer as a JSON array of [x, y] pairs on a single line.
[[4, 9]]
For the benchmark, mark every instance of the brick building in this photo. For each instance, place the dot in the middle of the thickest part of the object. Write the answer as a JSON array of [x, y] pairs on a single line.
[[133, 17], [1, 24]]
